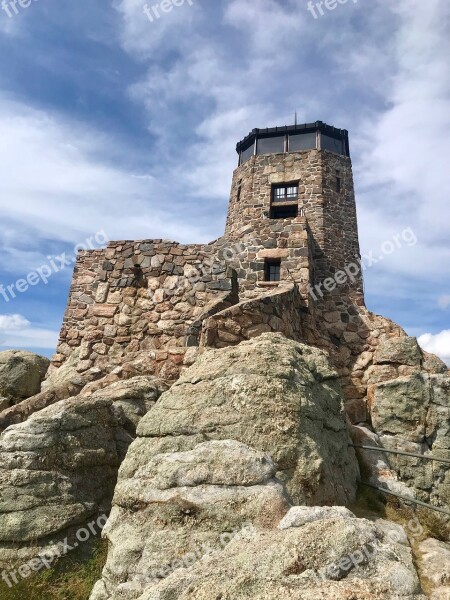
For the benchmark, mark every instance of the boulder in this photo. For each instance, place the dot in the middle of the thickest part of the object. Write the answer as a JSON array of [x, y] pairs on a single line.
[[300, 515], [272, 394], [398, 350], [243, 432], [59, 468], [412, 414], [21, 375], [434, 565], [339, 558]]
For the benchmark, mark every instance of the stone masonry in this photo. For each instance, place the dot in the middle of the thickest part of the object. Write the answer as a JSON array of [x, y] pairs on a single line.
[[166, 301]]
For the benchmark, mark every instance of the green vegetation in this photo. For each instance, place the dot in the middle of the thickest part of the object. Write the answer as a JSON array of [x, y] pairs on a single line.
[[72, 578]]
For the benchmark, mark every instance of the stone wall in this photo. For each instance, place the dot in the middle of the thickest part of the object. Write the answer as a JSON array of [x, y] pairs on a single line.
[[278, 310], [288, 240], [141, 297]]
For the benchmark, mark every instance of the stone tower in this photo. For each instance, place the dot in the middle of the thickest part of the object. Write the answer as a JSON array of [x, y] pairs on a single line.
[[298, 178], [282, 265]]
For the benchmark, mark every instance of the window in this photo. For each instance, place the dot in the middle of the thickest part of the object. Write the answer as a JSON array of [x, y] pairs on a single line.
[[247, 153], [284, 201], [302, 141], [271, 145], [272, 270], [239, 190], [331, 144], [338, 182], [285, 193]]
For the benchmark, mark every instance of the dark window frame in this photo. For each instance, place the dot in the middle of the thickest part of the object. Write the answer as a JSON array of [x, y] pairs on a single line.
[[338, 182], [287, 196], [272, 270]]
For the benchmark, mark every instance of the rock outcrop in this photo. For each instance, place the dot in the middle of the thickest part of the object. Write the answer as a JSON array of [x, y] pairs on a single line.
[[434, 565], [334, 558], [409, 405], [243, 434], [21, 375], [59, 468]]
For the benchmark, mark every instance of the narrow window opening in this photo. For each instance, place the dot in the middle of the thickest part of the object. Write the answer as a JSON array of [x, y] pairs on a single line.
[[284, 204], [239, 190], [272, 270], [338, 182]]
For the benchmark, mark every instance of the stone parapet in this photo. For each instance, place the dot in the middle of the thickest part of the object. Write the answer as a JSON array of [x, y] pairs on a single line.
[[278, 310]]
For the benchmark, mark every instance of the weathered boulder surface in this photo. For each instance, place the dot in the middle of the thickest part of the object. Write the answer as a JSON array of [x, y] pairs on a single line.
[[412, 414], [59, 468], [244, 432], [332, 555], [73, 378], [273, 394], [21, 375], [374, 465], [408, 398], [434, 565]]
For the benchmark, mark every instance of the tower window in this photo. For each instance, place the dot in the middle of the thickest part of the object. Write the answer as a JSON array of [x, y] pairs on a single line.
[[284, 201], [285, 193], [338, 182], [272, 270]]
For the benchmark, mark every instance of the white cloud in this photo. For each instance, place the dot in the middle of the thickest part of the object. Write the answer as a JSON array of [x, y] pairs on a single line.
[[403, 166], [438, 344], [59, 186], [17, 332], [12, 322]]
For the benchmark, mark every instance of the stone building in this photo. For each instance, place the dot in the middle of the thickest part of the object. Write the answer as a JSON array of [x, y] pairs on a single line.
[[288, 262]]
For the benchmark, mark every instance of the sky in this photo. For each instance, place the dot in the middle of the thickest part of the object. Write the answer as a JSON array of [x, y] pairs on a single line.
[[119, 121]]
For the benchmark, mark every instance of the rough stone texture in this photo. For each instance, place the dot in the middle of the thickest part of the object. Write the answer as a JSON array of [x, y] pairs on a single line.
[[276, 311], [67, 382], [176, 503], [339, 558], [144, 296], [165, 298], [326, 210], [434, 566], [59, 468], [272, 394], [300, 515], [21, 375], [412, 414], [401, 351], [375, 467], [245, 431]]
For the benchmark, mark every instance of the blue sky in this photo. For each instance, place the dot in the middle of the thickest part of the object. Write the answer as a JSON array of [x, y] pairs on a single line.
[[112, 123]]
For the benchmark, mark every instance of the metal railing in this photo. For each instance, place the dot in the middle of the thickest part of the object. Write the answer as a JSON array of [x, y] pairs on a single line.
[[400, 496], [406, 498], [402, 453]]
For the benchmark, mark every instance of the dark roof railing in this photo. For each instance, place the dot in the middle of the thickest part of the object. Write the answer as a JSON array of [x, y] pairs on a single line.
[[320, 128]]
